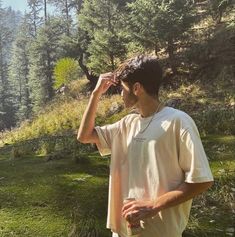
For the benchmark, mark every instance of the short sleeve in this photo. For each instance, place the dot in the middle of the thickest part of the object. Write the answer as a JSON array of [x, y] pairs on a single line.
[[106, 134], [192, 157]]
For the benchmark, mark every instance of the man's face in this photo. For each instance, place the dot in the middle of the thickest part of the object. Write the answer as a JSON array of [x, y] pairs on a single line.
[[128, 96]]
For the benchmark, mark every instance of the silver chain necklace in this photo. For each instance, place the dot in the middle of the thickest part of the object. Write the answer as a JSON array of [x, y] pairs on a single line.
[[157, 110]]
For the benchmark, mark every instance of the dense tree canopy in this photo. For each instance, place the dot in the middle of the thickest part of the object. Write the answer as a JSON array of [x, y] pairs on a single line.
[[94, 34]]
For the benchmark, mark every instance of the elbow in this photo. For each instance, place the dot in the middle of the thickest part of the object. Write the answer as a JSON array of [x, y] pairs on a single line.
[[207, 185], [82, 139], [86, 137]]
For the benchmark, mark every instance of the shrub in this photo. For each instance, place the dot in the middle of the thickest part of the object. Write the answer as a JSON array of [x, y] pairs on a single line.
[[216, 121], [66, 70]]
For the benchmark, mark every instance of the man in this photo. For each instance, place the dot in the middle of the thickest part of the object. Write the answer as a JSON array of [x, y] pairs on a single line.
[[157, 156]]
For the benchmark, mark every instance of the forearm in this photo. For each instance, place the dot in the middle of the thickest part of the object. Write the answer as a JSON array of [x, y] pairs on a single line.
[[141, 209], [86, 132], [88, 119], [183, 193]]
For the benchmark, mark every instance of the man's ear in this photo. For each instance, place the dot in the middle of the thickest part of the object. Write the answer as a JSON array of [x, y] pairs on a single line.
[[137, 88]]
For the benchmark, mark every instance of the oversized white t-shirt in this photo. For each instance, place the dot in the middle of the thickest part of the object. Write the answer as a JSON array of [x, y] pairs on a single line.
[[149, 157]]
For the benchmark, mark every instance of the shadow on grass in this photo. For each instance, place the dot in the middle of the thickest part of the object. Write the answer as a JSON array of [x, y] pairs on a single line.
[[61, 189], [61, 197], [212, 213]]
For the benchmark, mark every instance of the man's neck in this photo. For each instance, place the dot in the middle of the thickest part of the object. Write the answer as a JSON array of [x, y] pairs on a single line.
[[148, 105]]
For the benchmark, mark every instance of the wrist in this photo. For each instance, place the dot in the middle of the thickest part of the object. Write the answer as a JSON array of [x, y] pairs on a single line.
[[156, 207], [96, 93]]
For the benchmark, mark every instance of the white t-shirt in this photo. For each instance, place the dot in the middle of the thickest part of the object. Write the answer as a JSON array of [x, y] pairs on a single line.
[[149, 159]]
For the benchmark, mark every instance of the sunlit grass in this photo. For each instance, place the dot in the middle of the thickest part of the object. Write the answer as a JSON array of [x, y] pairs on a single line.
[[213, 212], [39, 198], [64, 115]]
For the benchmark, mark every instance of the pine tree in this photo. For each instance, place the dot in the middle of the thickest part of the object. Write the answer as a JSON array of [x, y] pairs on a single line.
[[77, 5], [42, 59], [104, 23], [160, 23], [34, 16], [19, 70], [7, 112], [64, 7]]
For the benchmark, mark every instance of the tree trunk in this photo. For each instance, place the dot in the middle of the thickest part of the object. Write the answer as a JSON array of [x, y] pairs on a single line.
[[34, 22], [45, 11], [79, 6], [27, 97], [20, 95], [112, 61], [89, 75], [156, 49], [170, 50], [49, 77], [67, 17]]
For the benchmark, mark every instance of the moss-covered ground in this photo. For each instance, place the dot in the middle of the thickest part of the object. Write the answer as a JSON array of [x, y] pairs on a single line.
[[39, 198]]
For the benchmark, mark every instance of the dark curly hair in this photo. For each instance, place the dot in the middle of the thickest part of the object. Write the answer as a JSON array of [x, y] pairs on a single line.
[[143, 69]]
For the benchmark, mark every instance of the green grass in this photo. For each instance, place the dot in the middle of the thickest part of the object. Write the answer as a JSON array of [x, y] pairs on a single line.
[[63, 115], [39, 198], [221, 152], [55, 198], [212, 214]]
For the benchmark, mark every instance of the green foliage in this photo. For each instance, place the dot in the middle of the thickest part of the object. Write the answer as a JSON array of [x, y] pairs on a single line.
[[105, 34], [62, 116], [216, 121], [160, 20], [41, 198], [104, 22], [143, 22], [174, 18], [19, 72], [7, 110], [42, 59], [67, 46], [45, 147], [160, 23], [218, 7], [35, 20], [66, 70], [106, 51], [213, 112]]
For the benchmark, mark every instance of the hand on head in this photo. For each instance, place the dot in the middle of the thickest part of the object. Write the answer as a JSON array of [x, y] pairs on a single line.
[[105, 81]]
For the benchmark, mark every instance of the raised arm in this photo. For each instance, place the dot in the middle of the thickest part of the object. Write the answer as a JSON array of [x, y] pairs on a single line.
[[87, 132]]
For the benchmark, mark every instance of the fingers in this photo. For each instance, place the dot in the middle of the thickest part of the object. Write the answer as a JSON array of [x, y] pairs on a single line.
[[134, 216], [109, 78], [130, 211], [134, 211], [128, 205], [105, 81]]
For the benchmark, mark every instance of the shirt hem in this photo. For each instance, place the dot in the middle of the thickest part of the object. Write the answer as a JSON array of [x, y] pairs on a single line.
[[199, 179]]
